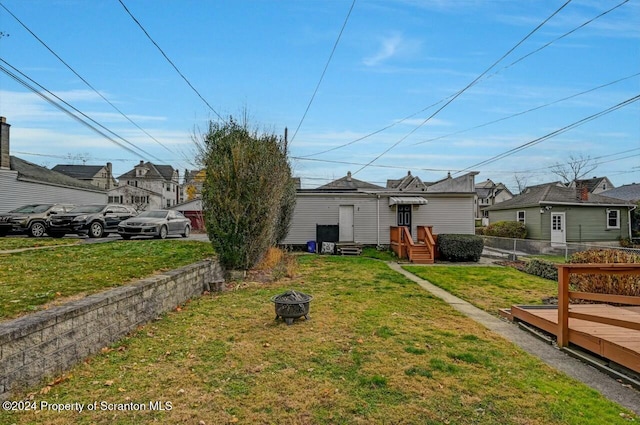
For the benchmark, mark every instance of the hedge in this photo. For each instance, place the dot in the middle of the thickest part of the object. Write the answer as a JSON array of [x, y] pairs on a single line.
[[506, 229], [455, 247]]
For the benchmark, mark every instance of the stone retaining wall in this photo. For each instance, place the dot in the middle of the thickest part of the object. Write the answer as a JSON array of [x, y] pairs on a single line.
[[48, 342]]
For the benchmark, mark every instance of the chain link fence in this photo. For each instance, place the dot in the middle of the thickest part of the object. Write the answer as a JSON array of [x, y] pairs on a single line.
[[511, 248]]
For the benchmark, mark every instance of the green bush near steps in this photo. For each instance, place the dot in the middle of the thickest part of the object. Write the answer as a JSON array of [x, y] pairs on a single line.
[[455, 247]]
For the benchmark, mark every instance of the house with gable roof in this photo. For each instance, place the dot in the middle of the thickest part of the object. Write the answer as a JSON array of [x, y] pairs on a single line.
[[147, 186], [489, 193], [23, 183], [98, 175], [594, 185], [367, 214], [564, 214]]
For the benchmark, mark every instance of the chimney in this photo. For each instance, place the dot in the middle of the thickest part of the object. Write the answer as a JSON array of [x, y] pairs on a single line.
[[348, 176], [582, 191], [109, 175], [141, 163], [5, 161]]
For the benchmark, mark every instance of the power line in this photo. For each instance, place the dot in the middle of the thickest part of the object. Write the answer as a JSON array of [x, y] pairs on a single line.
[[466, 88], [335, 45], [447, 98], [169, 60], [528, 110], [63, 109], [299, 158], [552, 134], [83, 80]]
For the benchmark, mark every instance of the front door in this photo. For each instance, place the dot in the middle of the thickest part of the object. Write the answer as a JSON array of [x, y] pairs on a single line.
[[404, 216], [346, 223], [558, 226]]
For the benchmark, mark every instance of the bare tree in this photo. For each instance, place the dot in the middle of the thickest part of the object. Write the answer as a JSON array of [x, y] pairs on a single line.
[[522, 181], [574, 168]]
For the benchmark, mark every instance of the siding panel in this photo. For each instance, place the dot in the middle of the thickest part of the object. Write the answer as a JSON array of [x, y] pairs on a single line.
[[15, 193]]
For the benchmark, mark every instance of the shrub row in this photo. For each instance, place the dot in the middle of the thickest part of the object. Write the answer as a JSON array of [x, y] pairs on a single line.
[[506, 229], [542, 268], [601, 283], [455, 247]]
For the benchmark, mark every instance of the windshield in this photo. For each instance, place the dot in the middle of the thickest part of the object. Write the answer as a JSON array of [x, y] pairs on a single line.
[[88, 209], [30, 209], [154, 214]]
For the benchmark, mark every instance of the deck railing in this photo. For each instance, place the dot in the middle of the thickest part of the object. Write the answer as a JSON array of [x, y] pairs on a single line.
[[564, 295]]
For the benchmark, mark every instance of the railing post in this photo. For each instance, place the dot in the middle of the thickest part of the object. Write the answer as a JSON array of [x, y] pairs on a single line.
[[563, 305]]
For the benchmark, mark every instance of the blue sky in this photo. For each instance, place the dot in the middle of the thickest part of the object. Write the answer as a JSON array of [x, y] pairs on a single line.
[[395, 64]]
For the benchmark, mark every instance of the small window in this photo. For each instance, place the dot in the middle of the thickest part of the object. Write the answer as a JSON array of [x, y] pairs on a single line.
[[613, 219], [520, 216]]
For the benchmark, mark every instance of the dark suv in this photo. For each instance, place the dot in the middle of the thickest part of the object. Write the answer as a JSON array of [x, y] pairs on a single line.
[[30, 219], [93, 220]]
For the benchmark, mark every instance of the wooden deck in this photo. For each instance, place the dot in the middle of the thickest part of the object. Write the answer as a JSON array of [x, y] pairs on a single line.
[[617, 344]]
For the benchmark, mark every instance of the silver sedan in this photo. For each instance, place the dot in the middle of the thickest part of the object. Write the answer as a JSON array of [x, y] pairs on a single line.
[[156, 223]]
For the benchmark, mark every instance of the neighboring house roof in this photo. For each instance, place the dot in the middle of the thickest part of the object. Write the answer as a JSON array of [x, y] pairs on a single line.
[[349, 182], [552, 194], [591, 184], [29, 171], [535, 186], [81, 172], [483, 193], [628, 192], [408, 183], [164, 172]]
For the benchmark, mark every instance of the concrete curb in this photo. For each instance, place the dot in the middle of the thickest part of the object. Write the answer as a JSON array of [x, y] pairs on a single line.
[[607, 386]]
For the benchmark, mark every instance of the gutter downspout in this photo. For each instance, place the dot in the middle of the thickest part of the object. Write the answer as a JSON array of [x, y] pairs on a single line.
[[629, 219], [378, 220]]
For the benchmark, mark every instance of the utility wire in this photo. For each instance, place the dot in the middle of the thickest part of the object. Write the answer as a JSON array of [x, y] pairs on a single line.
[[169, 60], [528, 110], [83, 80], [447, 98], [63, 109], [335, 45], [552, 134], [466, 88]]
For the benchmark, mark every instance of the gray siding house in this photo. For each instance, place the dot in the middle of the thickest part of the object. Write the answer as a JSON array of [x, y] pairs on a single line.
[[365, 212], [22, 182], [561, 214]]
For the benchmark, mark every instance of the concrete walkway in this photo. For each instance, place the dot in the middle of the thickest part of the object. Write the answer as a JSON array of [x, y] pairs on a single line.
[[606, 385]]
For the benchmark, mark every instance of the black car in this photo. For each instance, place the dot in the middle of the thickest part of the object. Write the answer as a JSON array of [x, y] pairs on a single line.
[[93, 220], [30, 219]]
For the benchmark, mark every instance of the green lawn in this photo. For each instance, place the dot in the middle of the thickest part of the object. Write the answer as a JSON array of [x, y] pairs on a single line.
[[489, 288], [10, 243], [30, 280], [377, 350]]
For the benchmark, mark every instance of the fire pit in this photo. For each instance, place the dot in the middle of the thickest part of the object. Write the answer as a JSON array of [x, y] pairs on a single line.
[[291, 304]]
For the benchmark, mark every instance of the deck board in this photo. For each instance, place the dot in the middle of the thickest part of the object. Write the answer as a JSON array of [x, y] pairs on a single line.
[[617, 344]]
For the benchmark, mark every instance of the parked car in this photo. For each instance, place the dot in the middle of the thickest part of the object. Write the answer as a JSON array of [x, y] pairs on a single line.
[[93, 220], [30, 219], [156, 223]]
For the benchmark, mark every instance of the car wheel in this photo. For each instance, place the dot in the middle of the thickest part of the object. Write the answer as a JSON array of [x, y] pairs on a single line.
[[96, 230], [54, 234], [126, 237], [187, 231], [163, 233], [37, 229]]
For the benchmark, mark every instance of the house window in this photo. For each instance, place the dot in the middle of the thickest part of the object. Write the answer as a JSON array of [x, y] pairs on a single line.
[[613, 219], [520, 217]]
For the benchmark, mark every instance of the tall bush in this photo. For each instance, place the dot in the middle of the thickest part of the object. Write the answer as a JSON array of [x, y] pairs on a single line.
[[247, 198], [601, 283]]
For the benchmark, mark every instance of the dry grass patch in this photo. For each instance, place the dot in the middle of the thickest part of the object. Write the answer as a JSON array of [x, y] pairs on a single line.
[[11, 243], [378, 349]]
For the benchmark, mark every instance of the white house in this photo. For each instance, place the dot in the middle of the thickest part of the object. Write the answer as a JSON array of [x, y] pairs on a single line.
[[147, 186], [22, 182], [365, 213]]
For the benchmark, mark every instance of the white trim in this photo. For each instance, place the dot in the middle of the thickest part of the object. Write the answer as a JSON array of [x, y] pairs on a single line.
[[617, 226]]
